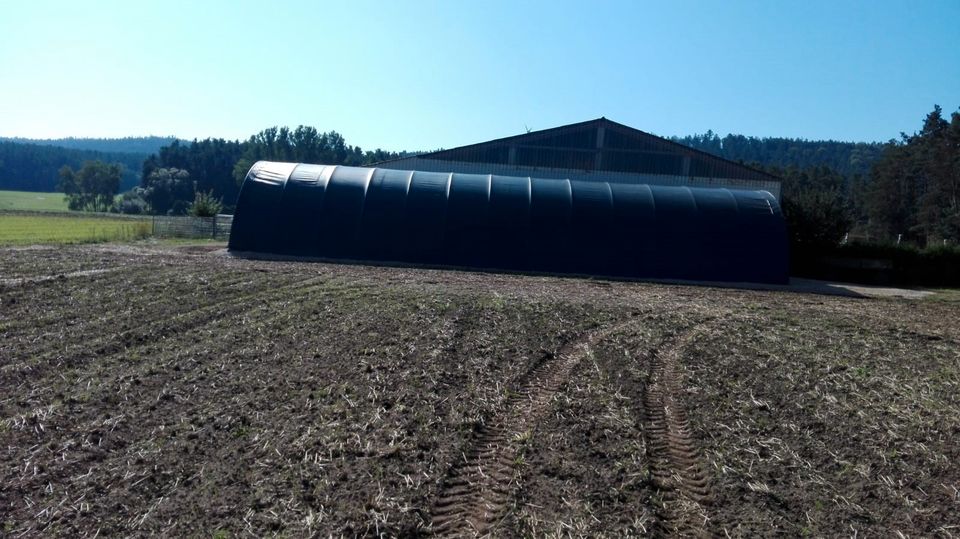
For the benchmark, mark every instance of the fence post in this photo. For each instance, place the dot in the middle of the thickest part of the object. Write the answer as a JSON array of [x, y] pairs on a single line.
[[214, 235]]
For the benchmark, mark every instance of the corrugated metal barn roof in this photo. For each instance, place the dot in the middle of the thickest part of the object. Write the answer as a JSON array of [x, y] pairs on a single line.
[[595, 150]]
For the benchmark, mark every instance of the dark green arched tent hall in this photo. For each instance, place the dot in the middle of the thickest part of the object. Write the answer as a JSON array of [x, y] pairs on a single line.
[[511, 223]]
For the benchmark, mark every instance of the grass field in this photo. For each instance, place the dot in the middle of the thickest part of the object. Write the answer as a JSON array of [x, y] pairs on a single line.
[[29, 229], [30, 201], [177, 391]]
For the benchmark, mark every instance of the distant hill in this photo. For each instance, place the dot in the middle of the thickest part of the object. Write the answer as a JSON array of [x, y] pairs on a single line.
[[35, 167], [137, 145], [847, 158]]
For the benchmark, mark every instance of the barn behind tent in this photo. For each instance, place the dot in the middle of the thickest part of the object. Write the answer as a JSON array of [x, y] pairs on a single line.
[[512, 223], [596, 150]]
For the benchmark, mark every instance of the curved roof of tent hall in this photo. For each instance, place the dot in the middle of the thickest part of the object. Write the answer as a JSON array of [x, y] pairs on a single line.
[[319, 176], [511, 222]]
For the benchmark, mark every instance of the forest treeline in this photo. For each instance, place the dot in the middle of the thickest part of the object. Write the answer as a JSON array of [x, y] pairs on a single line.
[[219, 165], [905, 189], [36, 167], [911, 192], [139, 145], [171, 177], [847, 158]]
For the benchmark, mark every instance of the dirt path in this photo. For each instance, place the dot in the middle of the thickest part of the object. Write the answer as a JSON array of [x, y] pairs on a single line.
[[675, 463], [477, 489]]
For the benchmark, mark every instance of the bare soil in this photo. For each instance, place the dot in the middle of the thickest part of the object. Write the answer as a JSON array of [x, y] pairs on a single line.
[[150, 390]]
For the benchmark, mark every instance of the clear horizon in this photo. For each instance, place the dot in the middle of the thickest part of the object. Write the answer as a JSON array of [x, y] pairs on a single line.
[[425, 75]]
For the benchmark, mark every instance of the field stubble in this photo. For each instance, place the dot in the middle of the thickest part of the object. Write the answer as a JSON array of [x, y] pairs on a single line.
[[179, 392]]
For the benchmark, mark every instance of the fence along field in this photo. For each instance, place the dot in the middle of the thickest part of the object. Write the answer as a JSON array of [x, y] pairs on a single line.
[[20, 228], [28, 218], [27, 229]]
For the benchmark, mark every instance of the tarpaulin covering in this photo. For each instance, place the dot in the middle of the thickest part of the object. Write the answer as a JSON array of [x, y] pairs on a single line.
[[511, 223]]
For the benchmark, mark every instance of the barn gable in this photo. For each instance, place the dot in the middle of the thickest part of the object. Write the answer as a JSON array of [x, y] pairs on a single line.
[[595, 150]]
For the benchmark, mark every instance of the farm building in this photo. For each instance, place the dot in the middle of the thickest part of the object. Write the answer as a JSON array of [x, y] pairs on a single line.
[[509, 222], [595, 198], [596, 150]]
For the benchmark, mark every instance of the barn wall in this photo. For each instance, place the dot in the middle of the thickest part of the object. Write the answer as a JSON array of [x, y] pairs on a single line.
[[515, 223]]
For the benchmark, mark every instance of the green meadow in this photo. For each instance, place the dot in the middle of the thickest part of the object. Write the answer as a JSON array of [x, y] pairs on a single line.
[[30, 201], [30, 229]]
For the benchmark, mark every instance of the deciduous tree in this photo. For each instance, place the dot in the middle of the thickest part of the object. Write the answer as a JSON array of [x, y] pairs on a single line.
[[93, 187]]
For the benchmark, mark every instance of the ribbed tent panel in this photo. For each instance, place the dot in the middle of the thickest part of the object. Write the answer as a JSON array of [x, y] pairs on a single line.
[[511, 223]]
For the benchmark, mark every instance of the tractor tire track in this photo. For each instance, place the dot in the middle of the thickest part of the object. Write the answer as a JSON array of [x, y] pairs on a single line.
[[478, 488], [676, 468]]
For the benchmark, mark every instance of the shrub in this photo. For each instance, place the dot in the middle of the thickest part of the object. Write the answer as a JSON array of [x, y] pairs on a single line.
[[205, 205], [902, 264], [132, 202]]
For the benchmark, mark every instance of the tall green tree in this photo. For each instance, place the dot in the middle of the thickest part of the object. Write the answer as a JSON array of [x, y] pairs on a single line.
[[93, 187], [817, 206], [817, 219], [168, 190], [915, 189], [938, 153]]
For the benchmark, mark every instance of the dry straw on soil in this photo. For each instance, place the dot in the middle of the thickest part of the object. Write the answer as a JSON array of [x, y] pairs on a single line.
[[169, 391]]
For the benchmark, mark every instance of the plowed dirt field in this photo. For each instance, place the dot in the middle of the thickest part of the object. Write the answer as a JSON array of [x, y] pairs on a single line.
[[182, 392]]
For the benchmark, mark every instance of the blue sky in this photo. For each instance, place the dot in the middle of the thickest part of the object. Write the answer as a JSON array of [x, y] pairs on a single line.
[[423, 75]]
